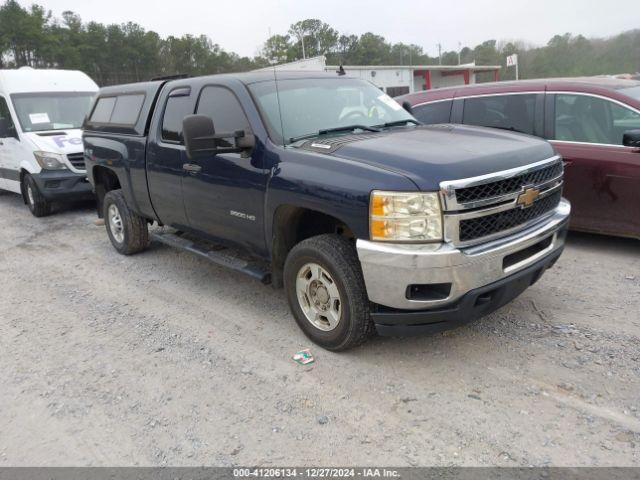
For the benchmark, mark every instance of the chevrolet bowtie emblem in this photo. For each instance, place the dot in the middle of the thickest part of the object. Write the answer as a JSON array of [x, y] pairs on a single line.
[[527, 197]]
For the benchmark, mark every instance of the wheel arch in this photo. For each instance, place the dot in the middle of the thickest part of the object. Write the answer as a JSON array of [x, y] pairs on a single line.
[[292, 224]]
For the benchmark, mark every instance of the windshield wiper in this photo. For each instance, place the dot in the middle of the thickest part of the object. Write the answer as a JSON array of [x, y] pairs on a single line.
[[324, 131], [510, 129], [398, 123]]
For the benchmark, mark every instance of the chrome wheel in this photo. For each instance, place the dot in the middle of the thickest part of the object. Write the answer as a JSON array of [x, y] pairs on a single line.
[[318, 297], [30, 195], [115, 223]]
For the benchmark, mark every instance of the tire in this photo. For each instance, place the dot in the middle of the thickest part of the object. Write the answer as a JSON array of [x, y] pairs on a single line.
[[340, 274], [38, 205], [128, 231]]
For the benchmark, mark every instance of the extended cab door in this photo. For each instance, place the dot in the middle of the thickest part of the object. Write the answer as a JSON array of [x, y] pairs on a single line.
[[166, 157], [224, 193], [602, 177]]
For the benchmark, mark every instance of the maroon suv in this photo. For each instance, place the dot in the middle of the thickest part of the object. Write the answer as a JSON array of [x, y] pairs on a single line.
[[594, 123]]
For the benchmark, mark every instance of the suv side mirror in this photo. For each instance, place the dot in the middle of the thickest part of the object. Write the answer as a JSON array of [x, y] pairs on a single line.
[[631, 138], [200, 137], [407, 106]]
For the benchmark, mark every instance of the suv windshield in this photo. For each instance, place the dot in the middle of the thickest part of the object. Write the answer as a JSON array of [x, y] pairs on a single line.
[[51, 111], [309, 106]]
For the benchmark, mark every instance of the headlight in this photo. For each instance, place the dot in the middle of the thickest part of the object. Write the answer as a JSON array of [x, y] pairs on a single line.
[[405, 217], [50, 161]]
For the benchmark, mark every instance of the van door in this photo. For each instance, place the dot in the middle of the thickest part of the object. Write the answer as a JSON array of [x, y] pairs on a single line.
[[9, 150]]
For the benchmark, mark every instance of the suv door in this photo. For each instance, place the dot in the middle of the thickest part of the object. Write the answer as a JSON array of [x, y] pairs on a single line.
[[602, 177], [224, 197], [166, 159], [9, 145]]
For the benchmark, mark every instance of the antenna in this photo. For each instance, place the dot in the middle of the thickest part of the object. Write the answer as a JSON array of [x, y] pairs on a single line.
[[275, 80]]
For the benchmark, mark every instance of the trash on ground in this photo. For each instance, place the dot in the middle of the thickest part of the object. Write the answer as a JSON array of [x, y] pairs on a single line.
[[304, 357]]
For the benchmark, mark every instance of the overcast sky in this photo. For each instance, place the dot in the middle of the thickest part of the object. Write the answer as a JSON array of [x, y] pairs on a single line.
[[243, 25]]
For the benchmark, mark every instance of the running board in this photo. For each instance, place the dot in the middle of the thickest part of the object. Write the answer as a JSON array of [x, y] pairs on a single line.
[[218, 254]]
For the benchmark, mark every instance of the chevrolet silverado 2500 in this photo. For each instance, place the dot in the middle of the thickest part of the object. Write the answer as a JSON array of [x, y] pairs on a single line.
[[325, 186]]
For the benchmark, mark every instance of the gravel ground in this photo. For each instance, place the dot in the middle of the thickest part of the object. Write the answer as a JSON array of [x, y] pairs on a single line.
[[163, 359]]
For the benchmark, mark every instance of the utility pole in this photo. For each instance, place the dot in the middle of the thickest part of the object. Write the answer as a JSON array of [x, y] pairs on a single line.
[[439, 45], [300, 34], [459, 53]]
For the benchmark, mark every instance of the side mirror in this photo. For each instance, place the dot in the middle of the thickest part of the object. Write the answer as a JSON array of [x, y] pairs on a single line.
[[199, 135], [407, 106], [631, 138], [5, 131]]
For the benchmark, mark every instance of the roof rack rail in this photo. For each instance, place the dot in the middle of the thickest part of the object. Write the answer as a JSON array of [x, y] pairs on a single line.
[[171, 77]]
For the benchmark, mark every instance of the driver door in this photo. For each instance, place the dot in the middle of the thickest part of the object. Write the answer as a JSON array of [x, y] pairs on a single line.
[[224, 193], [602, 177], [9, 145]]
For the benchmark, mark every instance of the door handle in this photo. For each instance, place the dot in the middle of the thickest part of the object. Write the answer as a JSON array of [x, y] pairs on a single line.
[[191, 167]]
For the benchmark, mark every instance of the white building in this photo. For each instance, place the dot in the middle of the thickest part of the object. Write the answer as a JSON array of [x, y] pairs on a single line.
[[400, 79]]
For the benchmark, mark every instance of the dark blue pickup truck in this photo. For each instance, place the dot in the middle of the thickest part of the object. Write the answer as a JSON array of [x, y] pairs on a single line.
[[325, 186]]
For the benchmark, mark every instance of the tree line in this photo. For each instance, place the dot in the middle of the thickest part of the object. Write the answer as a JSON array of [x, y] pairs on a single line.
[[119, 53]]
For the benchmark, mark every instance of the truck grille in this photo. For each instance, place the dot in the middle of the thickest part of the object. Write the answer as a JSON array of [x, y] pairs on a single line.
[[488, 207], [509, 185], [480, 227], [77, 160]]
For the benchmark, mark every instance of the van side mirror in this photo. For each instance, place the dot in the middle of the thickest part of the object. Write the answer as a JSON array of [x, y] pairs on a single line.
[[631, 138], [5, 129], [200, 137], [407, 106]]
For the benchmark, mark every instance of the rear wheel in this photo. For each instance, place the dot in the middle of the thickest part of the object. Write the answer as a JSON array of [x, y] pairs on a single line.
[[326, 292], [38, 205], [128, 231]]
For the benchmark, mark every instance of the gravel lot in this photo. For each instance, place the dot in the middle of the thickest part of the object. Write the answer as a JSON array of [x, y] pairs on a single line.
[[163, 359]]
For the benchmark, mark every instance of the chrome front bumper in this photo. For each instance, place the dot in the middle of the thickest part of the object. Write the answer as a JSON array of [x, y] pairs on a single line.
[[390, 269]]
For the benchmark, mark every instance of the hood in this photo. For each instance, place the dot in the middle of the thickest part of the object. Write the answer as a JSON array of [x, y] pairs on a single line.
[[67, 141], [431, 154]]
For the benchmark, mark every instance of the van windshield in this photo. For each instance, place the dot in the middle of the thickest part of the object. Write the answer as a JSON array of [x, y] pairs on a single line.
[[309, 106], [51, 111]]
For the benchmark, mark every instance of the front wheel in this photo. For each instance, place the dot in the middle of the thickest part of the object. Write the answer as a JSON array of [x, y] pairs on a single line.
[[326, 292], [38, 205], [128, 231]]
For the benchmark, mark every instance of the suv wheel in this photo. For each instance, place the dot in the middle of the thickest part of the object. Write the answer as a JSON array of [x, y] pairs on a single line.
[[326, 292], [128, 231], [38, 205]]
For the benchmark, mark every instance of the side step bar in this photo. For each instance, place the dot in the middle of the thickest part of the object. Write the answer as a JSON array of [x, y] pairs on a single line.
[[218, 254]]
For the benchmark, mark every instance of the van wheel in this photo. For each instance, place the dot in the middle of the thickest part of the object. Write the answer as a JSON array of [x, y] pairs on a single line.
[[38, 205], [326, 292], [128, 231]]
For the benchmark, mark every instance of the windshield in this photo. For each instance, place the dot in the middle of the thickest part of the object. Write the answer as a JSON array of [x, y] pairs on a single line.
[[633, 92], [51, 111], [311, 105]]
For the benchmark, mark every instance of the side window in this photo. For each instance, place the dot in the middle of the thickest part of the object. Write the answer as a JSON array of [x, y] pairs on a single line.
[[7, 127], [127, 109], [120, 110], [223, 107], [583, 118], [178, 106], [103, 110], [508, 112], [437, 112]]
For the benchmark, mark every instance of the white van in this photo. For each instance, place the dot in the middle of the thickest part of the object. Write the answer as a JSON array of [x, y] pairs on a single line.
[[41, 154]]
